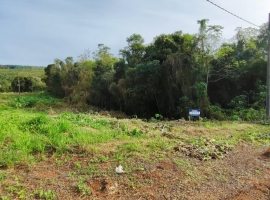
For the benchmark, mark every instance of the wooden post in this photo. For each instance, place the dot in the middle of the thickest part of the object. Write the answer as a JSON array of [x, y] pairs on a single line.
[[268, 75], [19, 86]]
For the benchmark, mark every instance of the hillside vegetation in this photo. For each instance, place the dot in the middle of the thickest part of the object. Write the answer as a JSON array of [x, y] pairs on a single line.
[[51, 150], [10, 74], [174, 73]]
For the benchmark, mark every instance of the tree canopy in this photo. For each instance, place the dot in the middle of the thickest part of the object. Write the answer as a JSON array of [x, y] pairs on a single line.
[[173, 73]]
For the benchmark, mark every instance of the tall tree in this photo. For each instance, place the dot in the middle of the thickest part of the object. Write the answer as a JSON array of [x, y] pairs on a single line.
[[134, 52], [103, 77], [209, 39]]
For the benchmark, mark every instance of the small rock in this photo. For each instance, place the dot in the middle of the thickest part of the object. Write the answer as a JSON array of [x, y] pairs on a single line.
[[119, 169]]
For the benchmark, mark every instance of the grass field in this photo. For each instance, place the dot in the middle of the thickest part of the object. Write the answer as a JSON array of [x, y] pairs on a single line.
[[31, 72], [8, 75], [51, 150]]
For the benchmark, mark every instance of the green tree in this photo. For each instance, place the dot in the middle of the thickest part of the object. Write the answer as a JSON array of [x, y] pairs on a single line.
[[118, 91], [22, 84], [209, 39], [102, 78], [53, 79], [133, 53]]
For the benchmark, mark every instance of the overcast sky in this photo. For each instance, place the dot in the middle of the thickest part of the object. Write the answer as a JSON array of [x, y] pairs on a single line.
[[35, 32]]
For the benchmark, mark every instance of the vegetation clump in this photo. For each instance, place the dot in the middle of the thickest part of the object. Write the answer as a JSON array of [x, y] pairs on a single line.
[[173, 74], [205, 149]]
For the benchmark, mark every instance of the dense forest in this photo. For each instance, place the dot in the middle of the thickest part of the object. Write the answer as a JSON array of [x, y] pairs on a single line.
[[175, 72]]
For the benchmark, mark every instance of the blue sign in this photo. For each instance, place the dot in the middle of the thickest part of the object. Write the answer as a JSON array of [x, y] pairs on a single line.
[[194, 112]]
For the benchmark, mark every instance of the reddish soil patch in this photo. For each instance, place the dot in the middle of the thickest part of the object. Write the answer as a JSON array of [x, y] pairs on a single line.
[[244, 174]]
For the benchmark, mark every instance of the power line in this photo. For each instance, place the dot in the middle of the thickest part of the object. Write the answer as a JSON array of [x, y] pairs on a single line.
[[232, 14]]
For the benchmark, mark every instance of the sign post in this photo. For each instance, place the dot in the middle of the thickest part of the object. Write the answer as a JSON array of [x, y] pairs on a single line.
[[194, 113]]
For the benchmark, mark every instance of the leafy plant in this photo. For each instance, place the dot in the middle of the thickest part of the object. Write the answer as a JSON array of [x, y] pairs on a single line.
[[158, 116], [48, 195], [4, 198], [82, 187], [135, 132]]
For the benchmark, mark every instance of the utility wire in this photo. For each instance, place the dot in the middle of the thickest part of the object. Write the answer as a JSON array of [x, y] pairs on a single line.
[[232, 13]]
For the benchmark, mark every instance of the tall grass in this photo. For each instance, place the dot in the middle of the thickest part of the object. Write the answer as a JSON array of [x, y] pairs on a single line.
[[25, 133]]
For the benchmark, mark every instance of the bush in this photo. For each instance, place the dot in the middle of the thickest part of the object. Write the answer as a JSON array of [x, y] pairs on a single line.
[[31, 101], [215, 112]]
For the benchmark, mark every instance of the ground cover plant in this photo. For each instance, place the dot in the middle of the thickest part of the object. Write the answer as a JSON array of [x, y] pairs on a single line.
[[53, 150]]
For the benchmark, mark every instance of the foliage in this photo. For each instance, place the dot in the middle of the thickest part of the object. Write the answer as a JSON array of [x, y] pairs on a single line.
[[216, 112], [174, 73], [82, 187], [48, 195], [42, 99], [206, 148], [134, 52], [9, 73], [158, 116]]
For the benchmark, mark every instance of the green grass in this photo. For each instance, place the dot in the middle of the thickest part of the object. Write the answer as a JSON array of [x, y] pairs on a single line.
[[10, 74], [24, 134], [26, 130]]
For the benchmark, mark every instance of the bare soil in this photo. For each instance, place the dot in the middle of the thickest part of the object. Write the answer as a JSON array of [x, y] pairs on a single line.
[[243, 174]]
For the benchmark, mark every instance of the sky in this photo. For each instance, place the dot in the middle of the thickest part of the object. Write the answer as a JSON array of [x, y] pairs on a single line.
[[35, 32]]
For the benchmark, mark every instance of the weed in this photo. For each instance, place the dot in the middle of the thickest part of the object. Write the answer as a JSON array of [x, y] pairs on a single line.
[[158, 116], [129, 147], [81, 187], [37, 124], [48, 195], [78, 165], [132, 185], [189, 173], [136, 132], [124, 127], [3, 176], [89, 170], [22, 194], [183, 163], [99, 159], [205, 148], [119, 157], [256, 137], [59, 161], [131, 177], [140, 168], [71, 174], [16, 189], [4, 198], [31, 101]]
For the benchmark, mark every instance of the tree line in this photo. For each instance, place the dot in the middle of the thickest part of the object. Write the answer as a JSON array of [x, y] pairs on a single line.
[[172, 74]]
